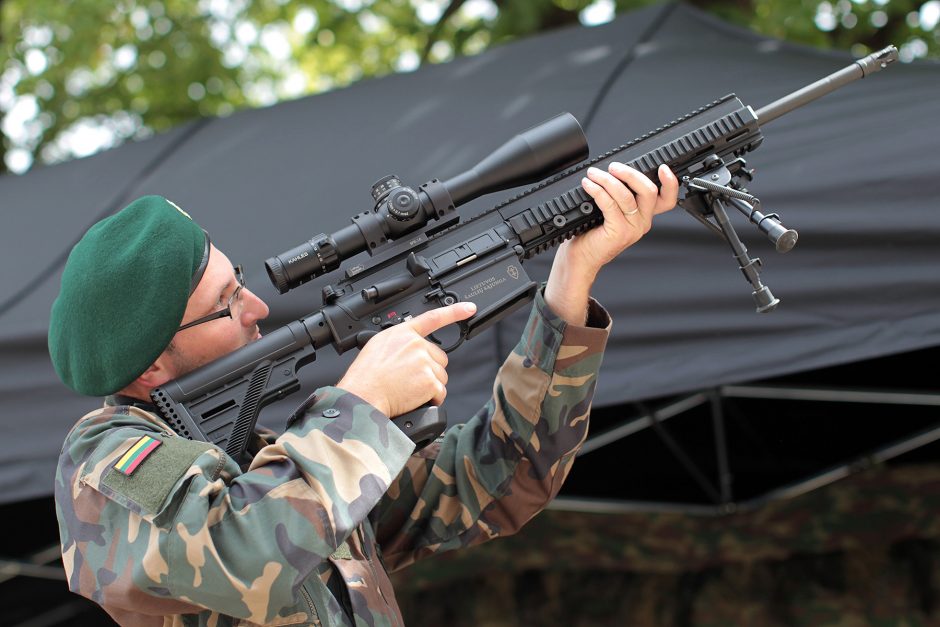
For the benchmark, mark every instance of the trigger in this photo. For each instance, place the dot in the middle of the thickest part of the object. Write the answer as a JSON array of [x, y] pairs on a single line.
[[464, 330]]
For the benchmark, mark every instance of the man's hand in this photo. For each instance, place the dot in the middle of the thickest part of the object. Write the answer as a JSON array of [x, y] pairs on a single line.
[[628, 200], [399, 370]]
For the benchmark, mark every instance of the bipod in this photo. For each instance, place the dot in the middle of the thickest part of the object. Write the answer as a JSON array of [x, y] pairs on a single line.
[[707, 189]]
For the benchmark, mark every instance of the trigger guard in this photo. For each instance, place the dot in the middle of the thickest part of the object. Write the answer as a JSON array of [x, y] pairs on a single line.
[[464, 330]]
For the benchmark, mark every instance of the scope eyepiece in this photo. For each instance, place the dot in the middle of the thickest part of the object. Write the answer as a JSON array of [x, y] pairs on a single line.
[[302, 263]]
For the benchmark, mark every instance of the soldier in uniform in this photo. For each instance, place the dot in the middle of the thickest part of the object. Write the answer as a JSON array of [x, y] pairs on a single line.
[[162, 530]]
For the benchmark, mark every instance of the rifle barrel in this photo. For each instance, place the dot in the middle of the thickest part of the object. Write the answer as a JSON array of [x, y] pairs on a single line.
[[860, 69]]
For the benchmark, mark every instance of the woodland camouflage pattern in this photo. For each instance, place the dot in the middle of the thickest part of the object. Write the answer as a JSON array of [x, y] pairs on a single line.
[[306, 533], [862, 551]]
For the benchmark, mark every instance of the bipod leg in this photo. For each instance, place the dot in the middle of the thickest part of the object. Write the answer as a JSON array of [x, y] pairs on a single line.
[[784, 239], [749, 267]]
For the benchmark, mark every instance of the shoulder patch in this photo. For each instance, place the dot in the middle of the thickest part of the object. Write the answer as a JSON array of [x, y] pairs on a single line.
[[136, 454], [149, 484]]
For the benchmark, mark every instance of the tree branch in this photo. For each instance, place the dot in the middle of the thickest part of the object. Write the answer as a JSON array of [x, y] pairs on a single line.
[[4, 142], [452, 8]]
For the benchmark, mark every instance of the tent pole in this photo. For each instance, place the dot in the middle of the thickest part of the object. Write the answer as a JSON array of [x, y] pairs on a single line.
[[640, 423], [690, 466], [721, 446], [13, 568], [58, 615], [862, 462], [10, 569], [614, 506], [834, 395]]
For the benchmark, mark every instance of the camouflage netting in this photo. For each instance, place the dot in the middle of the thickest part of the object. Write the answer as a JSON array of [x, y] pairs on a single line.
[[863, 551]]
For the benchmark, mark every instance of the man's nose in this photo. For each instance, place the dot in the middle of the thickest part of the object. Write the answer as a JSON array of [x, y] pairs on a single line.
[[254, 309]]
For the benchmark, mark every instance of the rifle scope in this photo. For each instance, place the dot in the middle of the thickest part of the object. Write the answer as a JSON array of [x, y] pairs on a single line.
[[527, 158]]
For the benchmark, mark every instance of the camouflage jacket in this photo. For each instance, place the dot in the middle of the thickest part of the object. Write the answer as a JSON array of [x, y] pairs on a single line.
[[162, 530]]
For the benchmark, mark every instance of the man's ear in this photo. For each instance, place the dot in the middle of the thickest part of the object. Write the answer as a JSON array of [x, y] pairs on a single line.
[[156, 375]]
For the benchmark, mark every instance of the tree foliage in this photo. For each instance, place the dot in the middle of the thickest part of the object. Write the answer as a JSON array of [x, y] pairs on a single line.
[[83, 75]]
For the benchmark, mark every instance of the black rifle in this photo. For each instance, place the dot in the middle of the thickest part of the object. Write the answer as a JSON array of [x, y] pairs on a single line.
[[422, 256]]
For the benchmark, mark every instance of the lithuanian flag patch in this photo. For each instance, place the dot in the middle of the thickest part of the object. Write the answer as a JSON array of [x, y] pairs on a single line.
[[136, 454]]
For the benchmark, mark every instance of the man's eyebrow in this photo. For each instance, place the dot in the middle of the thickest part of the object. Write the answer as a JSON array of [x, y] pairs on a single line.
[[227, 286], [221, 295]]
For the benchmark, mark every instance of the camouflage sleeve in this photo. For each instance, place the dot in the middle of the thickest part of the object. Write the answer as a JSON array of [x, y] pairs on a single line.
[[187, 530], [489, 476]]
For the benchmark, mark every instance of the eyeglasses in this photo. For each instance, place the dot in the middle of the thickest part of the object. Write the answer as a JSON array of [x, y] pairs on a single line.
[[235, 300]]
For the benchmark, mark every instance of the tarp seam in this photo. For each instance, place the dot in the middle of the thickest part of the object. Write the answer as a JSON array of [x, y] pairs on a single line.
[[119, 201], [627, 59]]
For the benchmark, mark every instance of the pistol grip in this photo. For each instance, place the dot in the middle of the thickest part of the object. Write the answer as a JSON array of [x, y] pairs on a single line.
[[422, 425]]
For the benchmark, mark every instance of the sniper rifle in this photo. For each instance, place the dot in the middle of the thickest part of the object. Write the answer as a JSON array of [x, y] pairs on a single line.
[[422, 256]]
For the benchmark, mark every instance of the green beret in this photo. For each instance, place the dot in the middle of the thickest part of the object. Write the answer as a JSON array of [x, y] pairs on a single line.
[[124, 291]]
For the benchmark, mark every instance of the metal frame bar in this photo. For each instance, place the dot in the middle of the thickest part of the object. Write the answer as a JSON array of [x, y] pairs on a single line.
[[829, 394], [58, 615], [726, 504], [589, 505], [721, 447], [614, 506], [34, 566], [698, 475], [642, 422], [13, 568], [862, 462]]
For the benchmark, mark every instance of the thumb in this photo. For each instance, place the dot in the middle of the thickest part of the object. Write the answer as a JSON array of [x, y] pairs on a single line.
[[431, 321]]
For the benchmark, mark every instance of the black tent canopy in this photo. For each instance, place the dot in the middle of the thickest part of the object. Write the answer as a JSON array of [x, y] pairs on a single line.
[[855, 173]]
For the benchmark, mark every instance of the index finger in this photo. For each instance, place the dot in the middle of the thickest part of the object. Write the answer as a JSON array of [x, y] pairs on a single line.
[[431, 321]]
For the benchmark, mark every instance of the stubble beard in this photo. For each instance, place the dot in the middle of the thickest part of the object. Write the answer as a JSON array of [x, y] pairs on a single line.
[[184, 364]]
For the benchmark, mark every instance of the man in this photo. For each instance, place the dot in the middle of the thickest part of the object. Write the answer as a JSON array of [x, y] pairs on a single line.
[[162, 530]]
